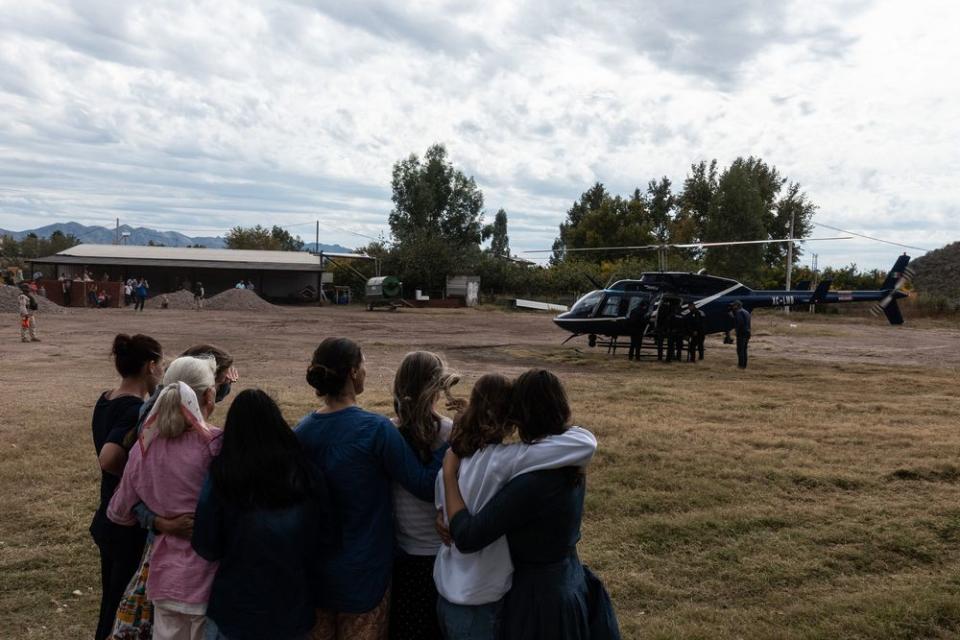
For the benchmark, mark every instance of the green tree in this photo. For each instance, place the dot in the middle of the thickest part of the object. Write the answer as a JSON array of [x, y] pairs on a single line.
[[737, 212], [436, 221], [699, 189], [59, 241], [433, 198], [258, 237], [794, 205], [497, 232], [660, 204], [601, 220], [284, 241]]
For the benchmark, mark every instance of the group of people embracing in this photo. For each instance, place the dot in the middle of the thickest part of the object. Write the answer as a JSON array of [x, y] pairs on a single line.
[[351, 525]]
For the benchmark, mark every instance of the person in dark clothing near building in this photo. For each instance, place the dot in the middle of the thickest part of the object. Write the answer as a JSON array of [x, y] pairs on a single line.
[[141, 291], [741, 324], [638, 320], [265, 515], [138, 361], [695, 323]]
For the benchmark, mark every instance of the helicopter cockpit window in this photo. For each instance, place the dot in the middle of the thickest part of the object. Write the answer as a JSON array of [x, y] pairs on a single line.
[[611, 307], [586, 304], [635, 302]]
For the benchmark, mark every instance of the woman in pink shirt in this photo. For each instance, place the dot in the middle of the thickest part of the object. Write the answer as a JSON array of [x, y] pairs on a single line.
[[166, 471]]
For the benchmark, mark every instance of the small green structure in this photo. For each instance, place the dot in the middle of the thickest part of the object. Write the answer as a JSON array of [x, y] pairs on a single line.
[[384, 291]]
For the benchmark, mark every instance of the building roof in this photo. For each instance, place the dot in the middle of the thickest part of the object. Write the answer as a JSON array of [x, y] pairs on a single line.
[[111, 254]]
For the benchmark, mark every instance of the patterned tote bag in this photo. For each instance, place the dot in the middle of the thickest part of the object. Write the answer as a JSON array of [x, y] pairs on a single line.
[[135, 614]]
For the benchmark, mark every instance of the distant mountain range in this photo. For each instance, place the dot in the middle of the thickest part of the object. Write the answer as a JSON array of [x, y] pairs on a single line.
[[143, 236]]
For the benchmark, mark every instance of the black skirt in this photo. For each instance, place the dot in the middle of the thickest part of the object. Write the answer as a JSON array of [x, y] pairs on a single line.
[[413, 607]]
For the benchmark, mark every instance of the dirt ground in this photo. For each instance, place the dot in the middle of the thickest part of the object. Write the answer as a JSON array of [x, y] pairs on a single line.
[[816, 494]]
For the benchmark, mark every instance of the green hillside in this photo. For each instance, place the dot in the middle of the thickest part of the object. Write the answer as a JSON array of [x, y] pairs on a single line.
[[938, 272]]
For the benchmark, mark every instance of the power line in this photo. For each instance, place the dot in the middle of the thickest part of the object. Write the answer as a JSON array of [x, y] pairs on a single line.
[[854, 233]]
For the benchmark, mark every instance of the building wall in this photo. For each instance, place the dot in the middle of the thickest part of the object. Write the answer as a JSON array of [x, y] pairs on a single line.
[[281, 285]]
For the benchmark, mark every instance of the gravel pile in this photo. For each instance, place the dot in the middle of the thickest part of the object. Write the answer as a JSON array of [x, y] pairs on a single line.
[[238, 300], [182, 299], [9, 303]]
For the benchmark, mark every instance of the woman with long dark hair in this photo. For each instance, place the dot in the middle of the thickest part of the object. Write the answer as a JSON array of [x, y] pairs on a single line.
[[264, 515], [361, 454], [138, 361], [540, 514]]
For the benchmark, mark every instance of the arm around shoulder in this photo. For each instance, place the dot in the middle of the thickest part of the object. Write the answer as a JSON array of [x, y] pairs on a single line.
[[403, 465], [572, 448]]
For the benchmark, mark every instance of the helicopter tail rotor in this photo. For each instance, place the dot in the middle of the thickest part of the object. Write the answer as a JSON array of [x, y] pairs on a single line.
[[899, 276]]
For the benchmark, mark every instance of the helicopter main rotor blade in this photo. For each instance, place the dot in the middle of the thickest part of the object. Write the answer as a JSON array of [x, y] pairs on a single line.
[[690, 245], [697, 245]]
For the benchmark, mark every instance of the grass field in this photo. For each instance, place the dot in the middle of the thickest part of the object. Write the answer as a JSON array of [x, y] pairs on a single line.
[[814, 495]]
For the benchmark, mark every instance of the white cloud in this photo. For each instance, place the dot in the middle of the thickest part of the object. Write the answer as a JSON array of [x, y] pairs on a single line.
[[211, 113]]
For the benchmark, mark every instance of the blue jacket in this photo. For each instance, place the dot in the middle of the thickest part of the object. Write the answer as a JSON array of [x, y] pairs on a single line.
[[262, 588], [741, 321], [361, 454]]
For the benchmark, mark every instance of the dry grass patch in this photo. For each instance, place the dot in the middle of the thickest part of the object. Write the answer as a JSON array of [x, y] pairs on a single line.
[[802, 498]]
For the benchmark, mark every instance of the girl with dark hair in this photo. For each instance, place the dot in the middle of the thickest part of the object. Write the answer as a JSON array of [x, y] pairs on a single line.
[[263, 514], [138, 361], [360, 454], [420, 379], [539, 512], [472, 585]]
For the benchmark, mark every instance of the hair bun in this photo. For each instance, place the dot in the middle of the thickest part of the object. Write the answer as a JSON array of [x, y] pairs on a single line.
[[121, 343], [324, 379]]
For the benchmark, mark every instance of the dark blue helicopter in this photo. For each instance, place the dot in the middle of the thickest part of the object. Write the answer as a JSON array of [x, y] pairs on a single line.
[[629, 307]]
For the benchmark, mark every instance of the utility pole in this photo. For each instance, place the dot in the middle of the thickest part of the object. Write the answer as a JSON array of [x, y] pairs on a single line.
[[816, 279], [116, 238], [316, 246], [786, 309]]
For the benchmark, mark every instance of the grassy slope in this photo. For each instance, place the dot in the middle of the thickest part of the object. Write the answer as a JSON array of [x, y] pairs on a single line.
[[783, 502]]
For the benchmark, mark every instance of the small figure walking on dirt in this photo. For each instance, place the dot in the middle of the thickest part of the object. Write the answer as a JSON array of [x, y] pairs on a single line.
[[198, 295], [28, 320], [141, 290]]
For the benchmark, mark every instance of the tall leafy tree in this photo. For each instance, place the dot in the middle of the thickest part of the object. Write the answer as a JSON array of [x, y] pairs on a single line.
[[737, 212], [431, 197], [661, 203], [497, 232], [601, 220], [699, 188], [796, 206], [436, 221]]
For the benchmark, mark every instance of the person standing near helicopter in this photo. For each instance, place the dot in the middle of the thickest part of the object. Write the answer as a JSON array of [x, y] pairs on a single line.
[[695, 322], [741, 324], [637, 316]]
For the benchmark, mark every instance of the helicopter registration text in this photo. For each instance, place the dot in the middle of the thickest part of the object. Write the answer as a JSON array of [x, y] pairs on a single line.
[[781, 300]]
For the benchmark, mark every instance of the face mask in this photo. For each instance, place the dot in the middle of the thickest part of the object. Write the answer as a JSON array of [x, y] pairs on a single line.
[[223, 391]]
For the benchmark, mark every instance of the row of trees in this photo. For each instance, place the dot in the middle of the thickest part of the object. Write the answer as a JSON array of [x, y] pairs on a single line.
[[437, 227], [32, 246], [749, 200], [258, 237]]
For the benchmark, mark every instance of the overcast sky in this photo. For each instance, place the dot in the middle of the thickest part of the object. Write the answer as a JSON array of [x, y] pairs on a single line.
[[195, 116]]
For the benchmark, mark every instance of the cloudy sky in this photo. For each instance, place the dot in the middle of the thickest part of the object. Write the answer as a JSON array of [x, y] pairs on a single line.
[[195, 116]]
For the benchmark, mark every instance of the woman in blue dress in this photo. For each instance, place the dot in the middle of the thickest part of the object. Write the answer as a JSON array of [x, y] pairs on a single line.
[[361, 454], [540, 513]]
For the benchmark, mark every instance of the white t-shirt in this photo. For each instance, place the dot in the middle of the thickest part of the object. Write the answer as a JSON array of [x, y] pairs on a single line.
[[415, 518], [486, 576]]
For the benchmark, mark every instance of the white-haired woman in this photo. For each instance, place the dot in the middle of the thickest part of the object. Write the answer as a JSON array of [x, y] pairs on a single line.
[[165, 472]]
